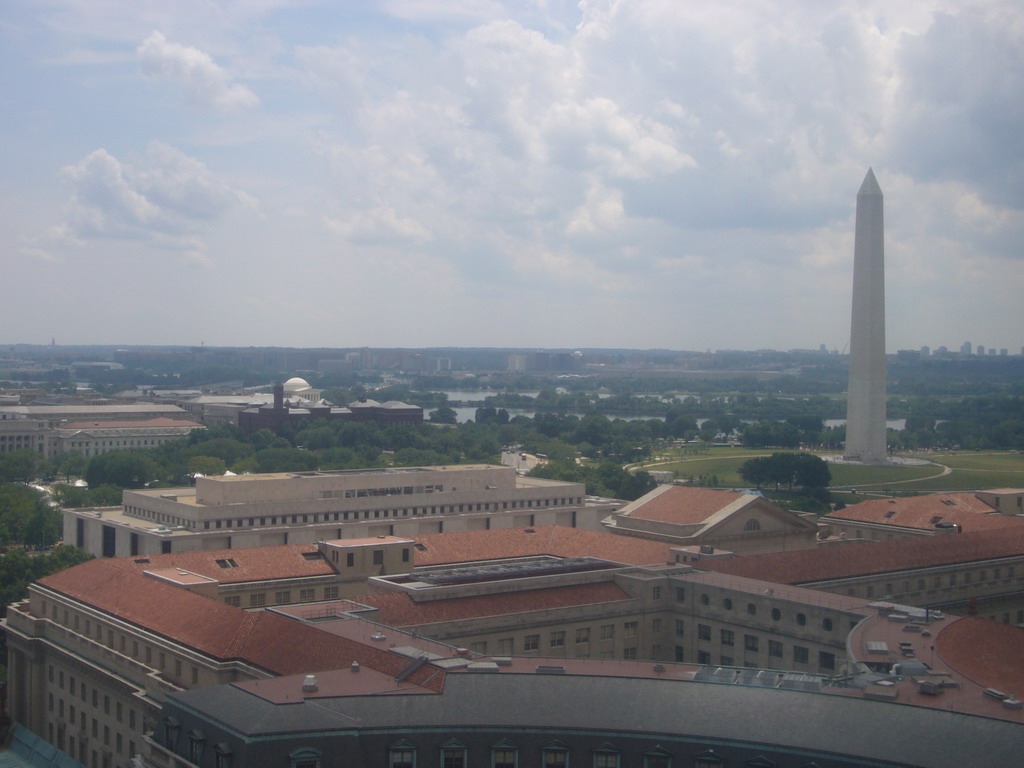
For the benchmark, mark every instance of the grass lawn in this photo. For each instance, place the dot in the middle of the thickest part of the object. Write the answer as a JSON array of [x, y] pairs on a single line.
[[971, 471], [862, 475], [986, 460]]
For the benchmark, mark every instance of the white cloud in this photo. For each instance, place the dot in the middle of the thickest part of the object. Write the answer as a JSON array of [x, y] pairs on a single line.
[[193, 72], [160, 199]]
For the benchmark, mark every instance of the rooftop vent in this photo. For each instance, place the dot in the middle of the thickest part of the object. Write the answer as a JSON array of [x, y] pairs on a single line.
[[355, 666], [309, 683], [378, 635], [550, 669]]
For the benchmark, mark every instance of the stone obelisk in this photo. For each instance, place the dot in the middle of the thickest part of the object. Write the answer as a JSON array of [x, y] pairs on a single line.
[[865, 403]]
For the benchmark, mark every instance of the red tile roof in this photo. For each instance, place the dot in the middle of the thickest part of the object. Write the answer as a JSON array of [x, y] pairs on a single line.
[[397, 609], [251, 564], [923, 512], [989, 653], [161, 421], [682, 505], [556, 540], [862, 558], [277, 644]]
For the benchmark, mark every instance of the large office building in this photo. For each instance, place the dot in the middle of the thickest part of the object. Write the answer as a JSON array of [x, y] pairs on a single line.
[[231, 512], [50, 429], [541, 656]]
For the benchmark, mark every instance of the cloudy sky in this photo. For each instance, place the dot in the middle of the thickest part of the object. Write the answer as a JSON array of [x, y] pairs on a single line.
[[634, 173]]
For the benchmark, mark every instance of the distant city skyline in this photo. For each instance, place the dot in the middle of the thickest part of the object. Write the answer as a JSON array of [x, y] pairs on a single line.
[[549, 175]]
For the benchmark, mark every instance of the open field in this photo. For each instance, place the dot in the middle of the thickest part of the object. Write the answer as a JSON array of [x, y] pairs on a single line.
[[984, 460], [862, 475], [967, 480], [969, 471]]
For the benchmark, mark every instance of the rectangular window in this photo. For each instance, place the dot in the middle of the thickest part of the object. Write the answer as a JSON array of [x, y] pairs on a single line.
[[680, 627], [680, 594], [556, 758], [583, 635], [679, 653], [402, 758], [306, 595], [775, 649], [284, 596], [453, 758], [557, 639], [531, 642], [606, 760], [629, 653], [728, 637], [257, 600], [826, 660], [378, 557], [330, 593], [703, 632], [750, 642], [703, 657], [234, 600], [505, 646], [631, 628], [607, 631], [656, 593], [800, 654], [504, 758]]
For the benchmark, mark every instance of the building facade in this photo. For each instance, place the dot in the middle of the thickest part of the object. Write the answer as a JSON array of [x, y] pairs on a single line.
[[299, 507], [743, 523]]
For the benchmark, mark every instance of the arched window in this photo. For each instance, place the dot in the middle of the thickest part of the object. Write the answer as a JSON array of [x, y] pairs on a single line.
[[306, 757], [401, 754], [556, 755], [504, 754], [657, 758], [752, 525]]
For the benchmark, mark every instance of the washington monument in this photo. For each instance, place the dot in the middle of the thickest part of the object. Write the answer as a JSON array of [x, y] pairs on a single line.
[[865, 398]]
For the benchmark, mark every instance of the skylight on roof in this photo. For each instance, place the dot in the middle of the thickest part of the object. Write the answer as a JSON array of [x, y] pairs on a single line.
[[227, 562]]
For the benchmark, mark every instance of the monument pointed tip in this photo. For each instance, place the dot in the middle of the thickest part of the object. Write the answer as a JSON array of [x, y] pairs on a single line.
[[870, 185]]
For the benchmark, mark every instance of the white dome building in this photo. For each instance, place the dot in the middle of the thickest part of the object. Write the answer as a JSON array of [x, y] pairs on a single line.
[[299, 389]]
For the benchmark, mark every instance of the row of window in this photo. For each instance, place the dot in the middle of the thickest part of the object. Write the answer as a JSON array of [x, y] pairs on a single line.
[[74, 712], [827, 623], [558, 638], [366, 514], [505, 754], [940, 582], [282, 597], [752, 643], [117, 641]]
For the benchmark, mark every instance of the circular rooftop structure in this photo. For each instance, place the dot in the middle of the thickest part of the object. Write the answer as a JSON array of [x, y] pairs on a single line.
[[296, 384]]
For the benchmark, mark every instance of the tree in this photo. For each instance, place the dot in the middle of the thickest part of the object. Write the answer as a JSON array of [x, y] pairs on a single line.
[[756, 471], [27, 516], [206, 465], [285, 460], [125, 469], [20, 466], [71, 464], [444, 415], [811, 471]]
